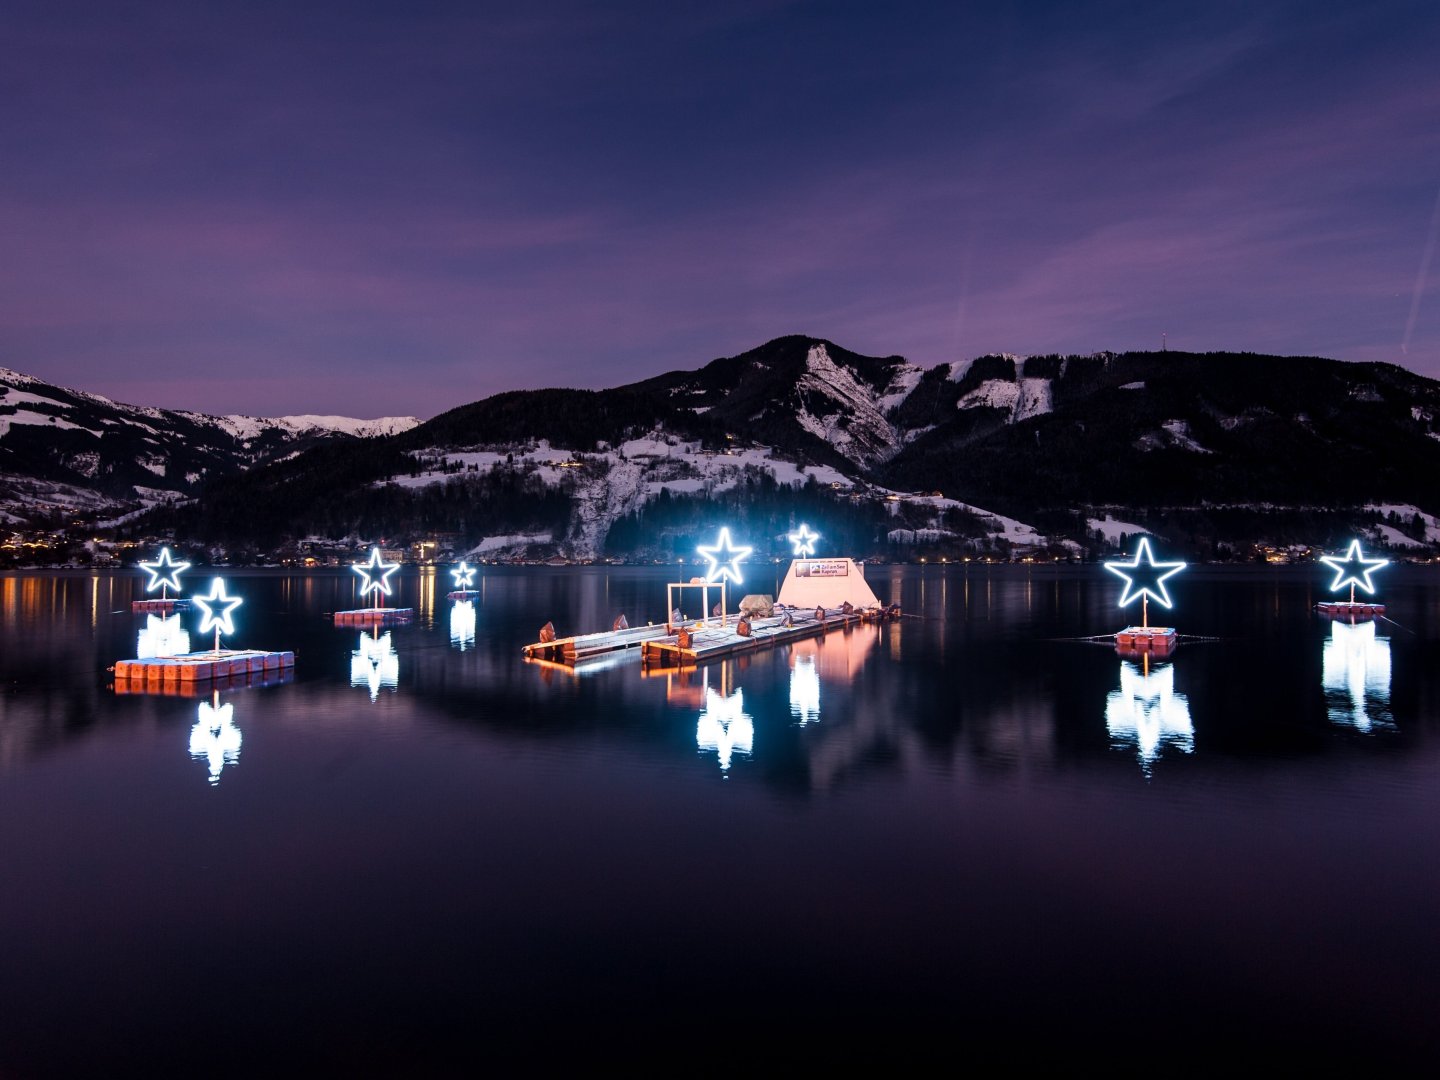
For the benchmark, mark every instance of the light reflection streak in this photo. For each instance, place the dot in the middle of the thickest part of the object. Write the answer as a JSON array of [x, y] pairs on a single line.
[[462, 625], [162, 636], [215, 739], [805, 691], [1147, 713], [725, 727], [375, 665], [1355, 672]]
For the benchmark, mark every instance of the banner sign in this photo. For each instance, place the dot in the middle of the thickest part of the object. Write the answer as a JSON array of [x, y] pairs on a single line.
[[822, 568]]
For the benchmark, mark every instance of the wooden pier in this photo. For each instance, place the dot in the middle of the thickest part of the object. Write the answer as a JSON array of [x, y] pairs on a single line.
[[572, 650], [702, 643], [161, 607], [371, 616], [201, 667]]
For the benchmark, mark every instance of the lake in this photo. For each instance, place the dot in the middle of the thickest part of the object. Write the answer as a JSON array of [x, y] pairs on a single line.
[[967, 833]]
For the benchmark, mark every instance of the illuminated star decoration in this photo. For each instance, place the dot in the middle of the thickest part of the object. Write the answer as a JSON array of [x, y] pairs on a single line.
[[1147, 579], [375, 574], [464, 575], [724, 558], [803, 541], [217, 608], [1353, 569], [164, 571]]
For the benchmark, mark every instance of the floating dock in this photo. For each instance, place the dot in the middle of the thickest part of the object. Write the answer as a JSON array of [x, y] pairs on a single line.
[[1350, 610], [573, 650], [203, 687], [703, 643], [202, 667], [371, 616], [161, 607], [463, 594], [1152, 640]]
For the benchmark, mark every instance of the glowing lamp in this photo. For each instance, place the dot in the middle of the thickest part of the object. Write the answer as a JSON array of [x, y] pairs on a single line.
[[724, 558], [164, 571], [464, 576], [802, 541], [1354, 569], [1144, 577], [375, 575], [216, 610]]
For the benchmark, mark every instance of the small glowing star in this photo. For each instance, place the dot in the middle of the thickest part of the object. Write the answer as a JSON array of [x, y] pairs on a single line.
[[375, 574], [803, 541], [724, 558], [164, 571], [464, 575], [1147, 579], [1353, 569], [217, 619]]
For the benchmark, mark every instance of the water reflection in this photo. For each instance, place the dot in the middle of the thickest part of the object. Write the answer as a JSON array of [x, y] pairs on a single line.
[[215, 739], [804, 690], [462, 624], [1355, 672], [1147, 713], [374, 664], [725, 728], [162, 636]]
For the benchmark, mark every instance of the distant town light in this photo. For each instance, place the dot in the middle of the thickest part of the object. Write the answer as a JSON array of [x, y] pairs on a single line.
[[724, 558], [1143, 576]]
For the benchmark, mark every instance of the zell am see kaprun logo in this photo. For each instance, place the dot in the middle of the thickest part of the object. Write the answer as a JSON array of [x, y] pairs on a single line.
[[823, 568]]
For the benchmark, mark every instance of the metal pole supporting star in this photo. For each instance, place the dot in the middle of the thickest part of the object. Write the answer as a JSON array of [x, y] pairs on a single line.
[[164, 573], [1145, 578], [802, 540], [376, 575], [217, 609], [1353, 569]]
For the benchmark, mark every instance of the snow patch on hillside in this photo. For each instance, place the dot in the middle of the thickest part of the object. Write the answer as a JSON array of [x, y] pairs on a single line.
[[1408, 512], [1113, 530], [865, 435], [903, 382]]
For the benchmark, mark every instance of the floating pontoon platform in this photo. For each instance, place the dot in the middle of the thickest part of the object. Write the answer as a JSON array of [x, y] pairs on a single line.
[[372, 616], [1154, 640], [1350, 610], [202, 667], [463, 594], [161, 607], [203, 687]]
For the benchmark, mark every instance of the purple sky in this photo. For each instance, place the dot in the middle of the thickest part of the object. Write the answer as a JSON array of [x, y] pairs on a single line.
[[378, 208]]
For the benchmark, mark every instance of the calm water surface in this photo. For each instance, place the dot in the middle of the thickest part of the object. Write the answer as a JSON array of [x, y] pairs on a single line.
[[965, 832]]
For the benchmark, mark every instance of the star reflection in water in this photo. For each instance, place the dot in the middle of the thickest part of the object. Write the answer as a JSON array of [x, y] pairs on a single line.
[[1147, 714], [1355, 672], [215, 739], [374, 664]]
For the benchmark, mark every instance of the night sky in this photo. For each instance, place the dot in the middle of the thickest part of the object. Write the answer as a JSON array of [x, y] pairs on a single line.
[[374, 208]]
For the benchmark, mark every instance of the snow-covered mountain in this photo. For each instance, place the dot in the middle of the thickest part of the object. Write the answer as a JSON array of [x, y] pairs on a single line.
[[64, 450], [989, 456]]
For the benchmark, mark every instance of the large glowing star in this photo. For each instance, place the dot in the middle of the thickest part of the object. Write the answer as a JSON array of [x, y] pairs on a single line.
[[217, 609], [464, 575], [1143, 576], [375, 574], [724, 558], [1353, 569], [802, 541], [164, 571]]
